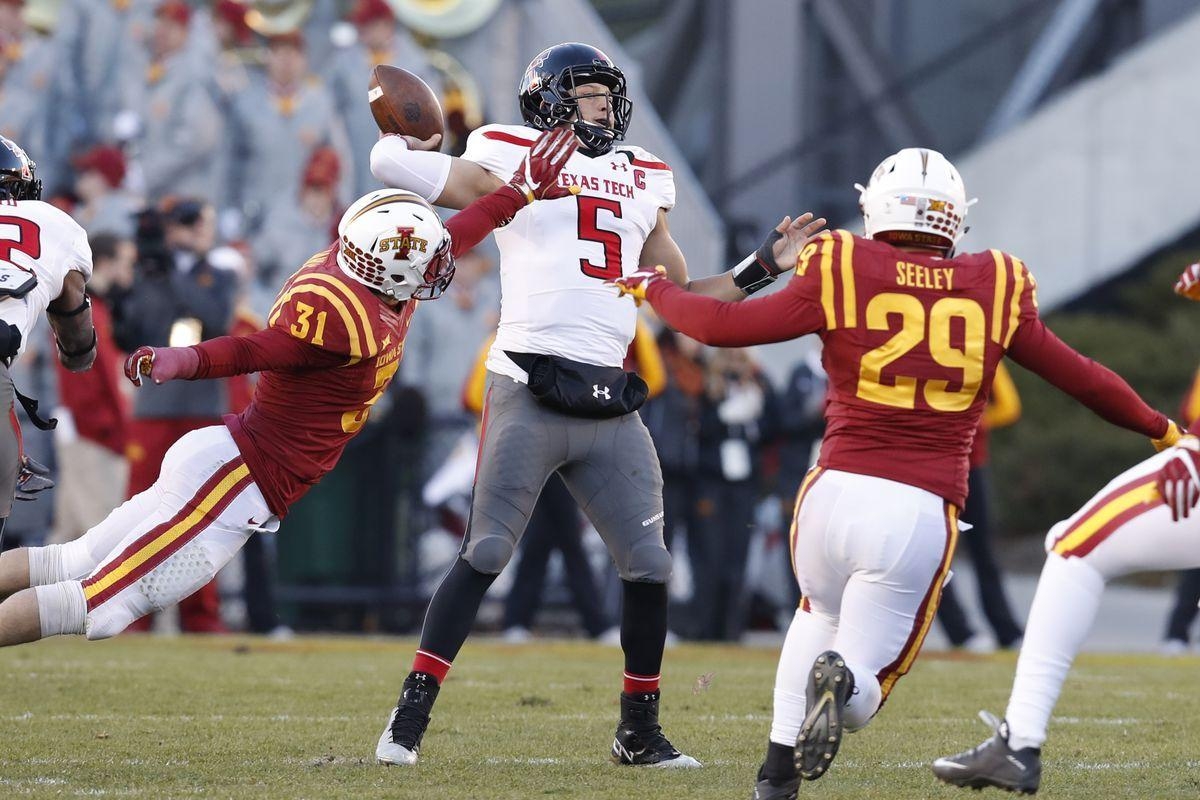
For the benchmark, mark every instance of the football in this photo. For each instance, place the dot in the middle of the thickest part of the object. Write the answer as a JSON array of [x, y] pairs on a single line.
[[403, 103]]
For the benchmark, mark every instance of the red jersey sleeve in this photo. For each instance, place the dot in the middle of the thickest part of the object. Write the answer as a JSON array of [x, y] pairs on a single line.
[[261, 351], [797, 309], [328, 313], [1036, 348], [471, 225]]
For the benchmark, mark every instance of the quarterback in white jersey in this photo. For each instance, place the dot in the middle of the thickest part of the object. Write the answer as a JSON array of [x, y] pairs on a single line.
[[555, 260], [45, 261], [564, 333]]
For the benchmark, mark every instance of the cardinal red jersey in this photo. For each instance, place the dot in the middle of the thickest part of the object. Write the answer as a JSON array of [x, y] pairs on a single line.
[[911, 346], [298, 423]]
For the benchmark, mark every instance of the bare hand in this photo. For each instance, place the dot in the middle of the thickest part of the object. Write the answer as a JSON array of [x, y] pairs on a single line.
[[795, 234], [432, 143]]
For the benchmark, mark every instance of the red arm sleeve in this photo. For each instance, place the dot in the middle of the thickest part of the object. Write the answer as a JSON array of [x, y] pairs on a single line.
[[259, 352], [470, 226], [777, 317], [1035, 347]]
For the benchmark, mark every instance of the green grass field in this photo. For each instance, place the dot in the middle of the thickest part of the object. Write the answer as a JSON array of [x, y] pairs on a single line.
[[240, 717]]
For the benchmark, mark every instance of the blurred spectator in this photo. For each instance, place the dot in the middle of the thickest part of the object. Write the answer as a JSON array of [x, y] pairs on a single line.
[[29, 91], [381, 40], [1003, 409], [230, 73], [104, 206], [465, 315], [1178, 636], [93, 411], [278, 120], [555, 524], [799, 432], [168, 104], [674, 422], [293, 232], [100, 42], [739, 408], [12, 23], [232, 33], [177, 299]]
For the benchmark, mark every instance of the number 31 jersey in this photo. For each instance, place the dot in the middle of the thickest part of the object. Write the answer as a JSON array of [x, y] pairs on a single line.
[[911, 346], [299, 421], [39, 240], [556, 255]]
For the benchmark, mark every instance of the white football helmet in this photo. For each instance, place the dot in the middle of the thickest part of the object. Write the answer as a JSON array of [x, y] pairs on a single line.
[[395, 243], [917, 197]]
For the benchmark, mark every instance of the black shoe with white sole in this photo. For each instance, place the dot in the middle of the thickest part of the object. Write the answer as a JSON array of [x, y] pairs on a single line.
[[993, 763], [640, 741], [400, 742], [830, 684]]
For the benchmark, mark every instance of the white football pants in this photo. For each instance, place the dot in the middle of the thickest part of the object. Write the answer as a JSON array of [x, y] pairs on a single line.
[[1124, 528], [871, 556], [159, 546]]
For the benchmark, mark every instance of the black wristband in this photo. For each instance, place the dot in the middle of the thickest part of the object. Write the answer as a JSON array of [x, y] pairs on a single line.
[[79, 309], [759, 270]]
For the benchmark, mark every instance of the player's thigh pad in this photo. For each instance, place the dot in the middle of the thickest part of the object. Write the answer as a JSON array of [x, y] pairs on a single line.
[[521, 443], [614, 475], [1126, 527], [207, 507]]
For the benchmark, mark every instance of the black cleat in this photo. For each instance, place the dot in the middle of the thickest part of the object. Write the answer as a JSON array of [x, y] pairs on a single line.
[[766, 789], [993, 763], [400, 743], [640, 741], [830, 684]]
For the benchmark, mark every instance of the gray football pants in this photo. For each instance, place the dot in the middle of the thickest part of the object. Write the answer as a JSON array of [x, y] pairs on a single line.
[[10, 448], [609, 466]]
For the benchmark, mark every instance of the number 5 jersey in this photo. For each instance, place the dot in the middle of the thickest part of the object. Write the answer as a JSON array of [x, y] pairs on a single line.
[[556, 255]]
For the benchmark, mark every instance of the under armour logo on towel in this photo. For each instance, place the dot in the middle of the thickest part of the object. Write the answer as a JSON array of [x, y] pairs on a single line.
[[597, 392]]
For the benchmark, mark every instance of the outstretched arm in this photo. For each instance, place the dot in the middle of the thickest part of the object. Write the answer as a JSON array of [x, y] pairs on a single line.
[[777, 255], [778, 317], [403, 162], [225, 356], [1035, 347]]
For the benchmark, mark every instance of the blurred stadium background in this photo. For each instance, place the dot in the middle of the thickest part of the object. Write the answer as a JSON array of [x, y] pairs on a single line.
[[1073, 121]]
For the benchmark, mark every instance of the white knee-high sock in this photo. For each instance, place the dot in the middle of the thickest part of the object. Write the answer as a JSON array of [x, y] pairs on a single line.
[[1067, 599], [862, 705], [808, 636]]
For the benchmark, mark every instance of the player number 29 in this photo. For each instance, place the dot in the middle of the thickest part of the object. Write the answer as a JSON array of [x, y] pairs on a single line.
[[901, 390]]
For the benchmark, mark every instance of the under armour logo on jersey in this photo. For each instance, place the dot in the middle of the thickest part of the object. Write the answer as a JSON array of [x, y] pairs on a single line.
[[621, 165], [597, 392]]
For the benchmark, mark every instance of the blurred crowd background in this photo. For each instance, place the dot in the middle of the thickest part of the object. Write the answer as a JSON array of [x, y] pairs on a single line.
[[209, 148]]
